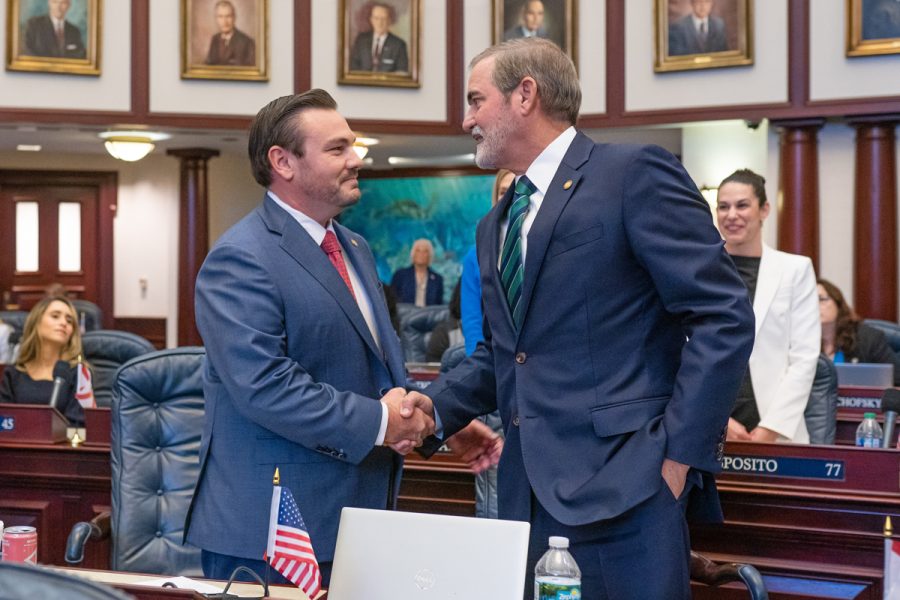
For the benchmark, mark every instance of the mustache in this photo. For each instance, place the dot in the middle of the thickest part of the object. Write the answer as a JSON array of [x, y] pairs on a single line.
[[477, 131]]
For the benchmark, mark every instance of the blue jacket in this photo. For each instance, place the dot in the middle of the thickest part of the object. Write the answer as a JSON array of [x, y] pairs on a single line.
[[404, 284]]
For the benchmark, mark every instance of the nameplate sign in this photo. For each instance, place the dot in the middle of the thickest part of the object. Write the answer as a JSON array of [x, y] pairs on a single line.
[[7, 423], [859, 402], [783, 466]]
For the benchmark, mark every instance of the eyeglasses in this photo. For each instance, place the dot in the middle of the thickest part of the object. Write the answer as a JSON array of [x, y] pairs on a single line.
[[824, 299]]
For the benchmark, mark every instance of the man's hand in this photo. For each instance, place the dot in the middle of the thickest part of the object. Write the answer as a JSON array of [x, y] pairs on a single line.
[[761, 434], [737, 432], [409, 420], [675, 475], [477, 445]]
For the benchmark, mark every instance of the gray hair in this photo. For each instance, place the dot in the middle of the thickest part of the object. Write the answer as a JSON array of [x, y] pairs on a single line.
[[422, 242], [557, 81]]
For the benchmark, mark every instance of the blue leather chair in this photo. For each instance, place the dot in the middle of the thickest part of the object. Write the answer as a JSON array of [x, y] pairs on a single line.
[[416, 323], [890, 329], [22, 580], [714, 574], [157, 421], [821, 409], [16, 319], [93, 315], [106, 350]]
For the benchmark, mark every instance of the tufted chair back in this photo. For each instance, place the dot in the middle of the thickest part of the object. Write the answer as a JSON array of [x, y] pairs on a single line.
[[93, 315], [821, 409], [15, 319], [416, 323], [891, 331], [106, 350], [157, 420]]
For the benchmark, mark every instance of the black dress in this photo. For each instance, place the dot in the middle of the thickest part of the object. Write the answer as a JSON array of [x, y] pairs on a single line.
[[17, 387]]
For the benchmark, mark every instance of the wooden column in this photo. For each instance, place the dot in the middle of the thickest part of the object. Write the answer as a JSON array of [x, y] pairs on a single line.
[[193, 234], [798, 186], [875, 219]]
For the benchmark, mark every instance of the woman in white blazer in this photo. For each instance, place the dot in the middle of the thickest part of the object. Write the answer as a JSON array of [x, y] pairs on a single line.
[[782, 287]]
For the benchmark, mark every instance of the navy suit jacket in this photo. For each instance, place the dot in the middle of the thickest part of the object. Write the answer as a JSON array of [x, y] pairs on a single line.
[[292, 380], [40, 39], [404, 284], [393, 54], [636, 333], [685, 39], [240, 51]]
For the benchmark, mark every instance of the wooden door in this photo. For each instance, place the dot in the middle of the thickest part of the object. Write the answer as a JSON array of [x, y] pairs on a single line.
[[56, 228]]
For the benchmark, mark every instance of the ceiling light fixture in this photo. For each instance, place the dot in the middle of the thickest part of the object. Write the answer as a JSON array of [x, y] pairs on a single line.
[[131, 146], [28, 147]]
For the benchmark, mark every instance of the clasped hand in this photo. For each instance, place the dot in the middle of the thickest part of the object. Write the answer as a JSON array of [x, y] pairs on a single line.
[[411, 420]]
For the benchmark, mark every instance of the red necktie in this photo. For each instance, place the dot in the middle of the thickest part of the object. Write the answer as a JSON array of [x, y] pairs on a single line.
[[333, 250]]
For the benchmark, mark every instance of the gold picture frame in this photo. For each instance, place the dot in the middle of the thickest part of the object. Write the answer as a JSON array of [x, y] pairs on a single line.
[[35, 43], [392, 61], [703, 34], [551, 19], [873, 27], [225, 39]]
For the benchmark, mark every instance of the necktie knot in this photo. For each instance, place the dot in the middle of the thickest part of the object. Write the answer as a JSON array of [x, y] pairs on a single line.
[[524, 187], [332, 249], [330, 244]]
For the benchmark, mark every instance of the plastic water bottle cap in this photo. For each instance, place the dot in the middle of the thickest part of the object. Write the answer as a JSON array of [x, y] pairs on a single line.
[[558, 541], [868, 415]]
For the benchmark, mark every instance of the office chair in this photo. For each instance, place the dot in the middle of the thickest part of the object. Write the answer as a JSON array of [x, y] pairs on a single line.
[[416, 323], [707, 572], [16, 319], [22, 580], [890, 329], [106, 350], [157, 420], [821, 409], [93, 315]]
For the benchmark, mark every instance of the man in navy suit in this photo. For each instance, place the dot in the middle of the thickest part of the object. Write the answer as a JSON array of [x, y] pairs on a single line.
[[615, 337], [531, 22], [698, 32], [230, 46], [378, 49], [51, 35], [299, 350]]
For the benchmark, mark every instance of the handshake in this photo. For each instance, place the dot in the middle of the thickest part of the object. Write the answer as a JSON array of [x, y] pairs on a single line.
[[411, 420]]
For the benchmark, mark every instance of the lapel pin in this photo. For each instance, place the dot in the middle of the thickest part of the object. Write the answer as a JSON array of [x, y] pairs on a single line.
[[352, 241], [567, 184]]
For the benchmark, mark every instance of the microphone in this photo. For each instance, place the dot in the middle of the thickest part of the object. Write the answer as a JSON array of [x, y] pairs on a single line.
[[58, 383], [890, 406]]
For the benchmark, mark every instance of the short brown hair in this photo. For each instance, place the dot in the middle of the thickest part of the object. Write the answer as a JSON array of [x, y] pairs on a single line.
[[272, 126], [554, 72]]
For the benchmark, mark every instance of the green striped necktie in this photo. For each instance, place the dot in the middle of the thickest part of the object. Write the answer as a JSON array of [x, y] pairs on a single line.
[[512, 268]]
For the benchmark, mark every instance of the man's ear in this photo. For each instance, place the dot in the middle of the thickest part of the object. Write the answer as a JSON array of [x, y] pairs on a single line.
[[281, 161], [527, 95]]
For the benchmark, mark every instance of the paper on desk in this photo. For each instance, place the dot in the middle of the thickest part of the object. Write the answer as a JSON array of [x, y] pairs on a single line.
[[183, 583]]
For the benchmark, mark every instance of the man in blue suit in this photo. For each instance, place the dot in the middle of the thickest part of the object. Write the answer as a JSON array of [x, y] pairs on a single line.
[[299, 350], [699, 32], [617, 331]]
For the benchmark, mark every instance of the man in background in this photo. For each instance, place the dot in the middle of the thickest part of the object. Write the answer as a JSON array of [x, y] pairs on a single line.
[[51, 35], [531, 22], [300, 349], [699, 32], [616, 333], [231, 46], [378, 49]]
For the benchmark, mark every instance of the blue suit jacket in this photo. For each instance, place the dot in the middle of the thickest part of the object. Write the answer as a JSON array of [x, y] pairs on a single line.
[[292, 380], [623, 267], [685, 39], [404, 284]]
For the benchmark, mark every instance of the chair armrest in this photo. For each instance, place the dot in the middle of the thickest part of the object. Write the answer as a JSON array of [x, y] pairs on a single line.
[[705, 571], [97, 528]]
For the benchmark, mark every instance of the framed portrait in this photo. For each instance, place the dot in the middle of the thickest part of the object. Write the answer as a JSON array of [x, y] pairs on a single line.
[[873, 27], [379, 43], [551, 19], [53, 36], [225, 39], [703, 34]]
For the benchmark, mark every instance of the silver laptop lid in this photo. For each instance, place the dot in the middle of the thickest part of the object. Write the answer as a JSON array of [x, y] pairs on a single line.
[[865, 374], [391, 555]]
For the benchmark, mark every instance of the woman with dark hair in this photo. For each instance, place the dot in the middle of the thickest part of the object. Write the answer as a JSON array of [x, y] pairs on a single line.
[[845, 338], [51, 344]]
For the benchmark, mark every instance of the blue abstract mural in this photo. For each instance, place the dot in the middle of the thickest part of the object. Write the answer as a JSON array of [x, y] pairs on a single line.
[[395, 212]]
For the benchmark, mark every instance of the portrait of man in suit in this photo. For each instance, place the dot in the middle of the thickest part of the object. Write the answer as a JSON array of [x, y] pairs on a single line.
[[699, 32], [880, 19], [230, 46], [378, 49], [52, 35], [547, 19], [531, 22]]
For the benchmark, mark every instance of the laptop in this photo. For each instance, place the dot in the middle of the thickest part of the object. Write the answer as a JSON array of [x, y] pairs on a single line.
[[880, 375], [391, 555]]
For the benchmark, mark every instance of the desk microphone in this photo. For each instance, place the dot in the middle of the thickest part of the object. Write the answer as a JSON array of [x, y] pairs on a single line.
[[58, 383], [890, 406]]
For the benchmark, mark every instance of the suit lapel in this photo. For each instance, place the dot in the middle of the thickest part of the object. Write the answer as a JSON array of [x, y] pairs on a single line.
[[301, 247], [555, 200], [770, 272]]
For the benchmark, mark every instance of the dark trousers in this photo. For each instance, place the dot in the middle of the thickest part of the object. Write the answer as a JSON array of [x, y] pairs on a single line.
[[642, 553], [221, 566]]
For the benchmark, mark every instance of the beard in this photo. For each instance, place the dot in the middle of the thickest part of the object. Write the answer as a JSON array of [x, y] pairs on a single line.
[[488, 153]]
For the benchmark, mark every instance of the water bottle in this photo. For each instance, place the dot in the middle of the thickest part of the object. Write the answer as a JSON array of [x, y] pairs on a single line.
[[868, 434], [556, 576]]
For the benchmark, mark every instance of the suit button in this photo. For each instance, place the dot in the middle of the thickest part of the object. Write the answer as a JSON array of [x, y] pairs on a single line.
[[516, 420], [521, 357]]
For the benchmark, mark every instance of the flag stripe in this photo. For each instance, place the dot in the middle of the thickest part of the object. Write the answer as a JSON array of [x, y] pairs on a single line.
[[290, 546]]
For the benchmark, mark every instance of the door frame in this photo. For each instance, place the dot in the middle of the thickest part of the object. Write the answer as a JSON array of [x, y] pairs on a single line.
[[107, 185]]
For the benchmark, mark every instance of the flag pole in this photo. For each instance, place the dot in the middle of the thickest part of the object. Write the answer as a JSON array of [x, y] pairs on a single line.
[[276, 480], [888, 527]]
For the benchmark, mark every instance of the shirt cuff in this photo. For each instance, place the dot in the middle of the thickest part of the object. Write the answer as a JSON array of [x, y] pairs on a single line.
[[382, 431]]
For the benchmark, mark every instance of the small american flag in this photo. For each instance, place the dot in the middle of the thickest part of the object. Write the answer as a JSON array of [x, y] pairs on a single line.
[[289, 549]]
